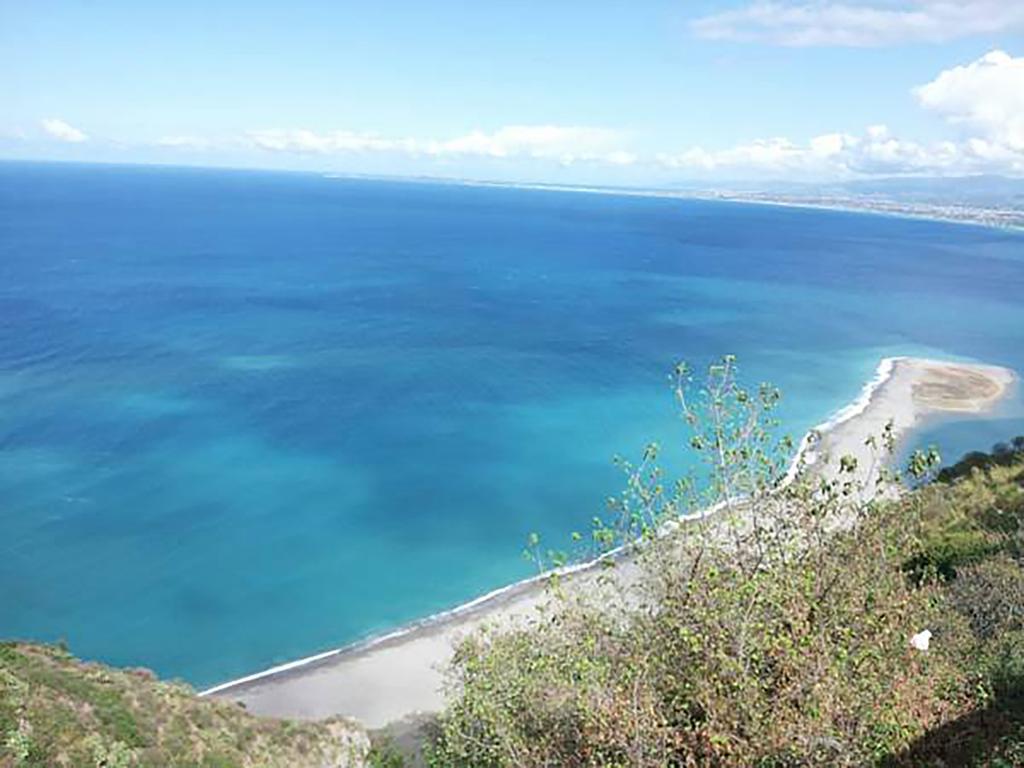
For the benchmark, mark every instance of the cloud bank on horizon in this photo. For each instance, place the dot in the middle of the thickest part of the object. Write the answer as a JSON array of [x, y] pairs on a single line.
[[984, 100], [976, 106], [567, 144]]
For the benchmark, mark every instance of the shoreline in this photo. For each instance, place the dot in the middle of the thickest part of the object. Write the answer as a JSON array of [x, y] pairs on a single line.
[[366, 678], [850, 206], [892, 208], [851, 410], [882, 373]]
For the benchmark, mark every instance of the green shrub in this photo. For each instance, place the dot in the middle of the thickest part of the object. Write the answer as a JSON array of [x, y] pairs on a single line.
[[990, 594], [384, 754], [942, 553], [776, 633]]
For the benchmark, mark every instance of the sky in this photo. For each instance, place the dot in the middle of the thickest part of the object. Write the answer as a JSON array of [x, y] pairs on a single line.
[[571, 91]]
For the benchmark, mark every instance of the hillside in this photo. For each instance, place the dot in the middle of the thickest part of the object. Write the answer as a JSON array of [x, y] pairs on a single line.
[[58, 711]]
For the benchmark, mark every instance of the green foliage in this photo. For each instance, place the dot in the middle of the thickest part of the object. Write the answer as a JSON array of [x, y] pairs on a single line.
[[942, 553], [384, 754], [55, 710], [774, 633], [976, 515], [732, 429], [1002, 454], [990, 595]]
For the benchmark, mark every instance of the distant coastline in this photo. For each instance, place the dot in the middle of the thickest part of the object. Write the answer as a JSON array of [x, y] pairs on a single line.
[[389, 678], [952, 212], [998, 218]]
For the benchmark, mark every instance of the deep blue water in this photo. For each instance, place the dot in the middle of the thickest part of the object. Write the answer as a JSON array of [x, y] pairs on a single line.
[[245, 417]]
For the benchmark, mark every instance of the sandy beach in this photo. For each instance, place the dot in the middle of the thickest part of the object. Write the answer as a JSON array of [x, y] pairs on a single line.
[[399, 676]]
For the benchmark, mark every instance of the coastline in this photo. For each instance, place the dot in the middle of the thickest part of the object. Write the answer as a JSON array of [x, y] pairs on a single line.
[[391, 677], [1011, 220], [892, 209], [851, 410]]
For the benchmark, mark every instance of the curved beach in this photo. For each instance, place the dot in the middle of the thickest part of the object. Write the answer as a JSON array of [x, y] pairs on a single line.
[[399, 676]]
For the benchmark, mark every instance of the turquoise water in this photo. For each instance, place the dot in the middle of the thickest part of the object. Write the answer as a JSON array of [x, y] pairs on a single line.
[[246, 417]]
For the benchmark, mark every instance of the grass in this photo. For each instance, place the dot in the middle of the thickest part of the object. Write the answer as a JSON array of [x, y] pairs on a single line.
[[58, 711]]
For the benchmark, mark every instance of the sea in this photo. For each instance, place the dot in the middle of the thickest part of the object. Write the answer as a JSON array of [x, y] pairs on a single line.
[[246, 417]]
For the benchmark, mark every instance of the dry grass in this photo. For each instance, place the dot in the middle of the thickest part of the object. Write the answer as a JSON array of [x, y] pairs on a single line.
[[58, 711]]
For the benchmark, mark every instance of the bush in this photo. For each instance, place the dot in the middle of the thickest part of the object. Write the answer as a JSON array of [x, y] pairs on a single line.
[[776, 633], [805, 662], [990, 595]]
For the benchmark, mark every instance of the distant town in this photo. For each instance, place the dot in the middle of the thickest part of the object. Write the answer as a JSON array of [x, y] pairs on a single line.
[[993, 201], [1009, 216]]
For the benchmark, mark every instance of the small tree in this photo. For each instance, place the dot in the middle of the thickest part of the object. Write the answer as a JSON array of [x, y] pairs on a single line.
[[756, 614]]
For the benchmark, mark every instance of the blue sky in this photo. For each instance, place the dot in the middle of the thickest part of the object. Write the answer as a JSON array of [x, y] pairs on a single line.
[[647, 91]]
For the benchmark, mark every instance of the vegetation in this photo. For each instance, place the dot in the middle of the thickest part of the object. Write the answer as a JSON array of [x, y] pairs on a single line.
[[805, 624], [58, 711]]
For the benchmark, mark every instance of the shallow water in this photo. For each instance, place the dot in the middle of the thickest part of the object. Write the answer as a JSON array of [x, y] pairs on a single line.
[[245, 417]]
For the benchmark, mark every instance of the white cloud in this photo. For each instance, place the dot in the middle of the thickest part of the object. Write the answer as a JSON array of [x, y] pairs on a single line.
[[875, 152], [854, 23], [985, 98], [322, 143], [563, 142], [619, 157], [62, 131], [567, 144], [763, 154], [983, 102]]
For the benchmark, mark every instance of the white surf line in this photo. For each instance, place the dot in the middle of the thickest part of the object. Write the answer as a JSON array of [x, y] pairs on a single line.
[[883, 373], [743, 198], [272, 671], [417, 625]]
